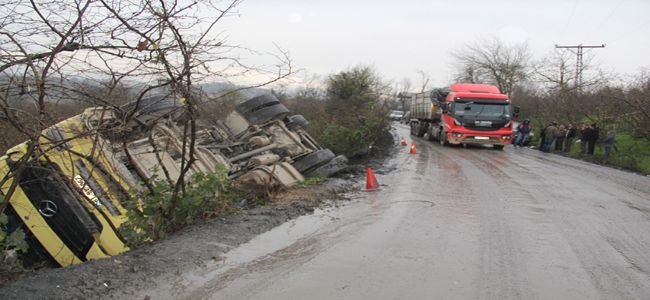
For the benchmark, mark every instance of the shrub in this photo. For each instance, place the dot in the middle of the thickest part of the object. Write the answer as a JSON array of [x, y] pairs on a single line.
[[155, 213]]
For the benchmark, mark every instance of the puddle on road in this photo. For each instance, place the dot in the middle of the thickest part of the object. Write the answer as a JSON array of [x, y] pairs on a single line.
[[363, 207], [265, 244], [278, 238]]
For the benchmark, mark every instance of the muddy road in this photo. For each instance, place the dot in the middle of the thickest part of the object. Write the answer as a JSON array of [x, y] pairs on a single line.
[[454, 223], [448, 223]]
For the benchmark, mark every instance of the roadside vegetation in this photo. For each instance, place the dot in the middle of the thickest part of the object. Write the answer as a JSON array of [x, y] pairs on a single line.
[[350, 115]]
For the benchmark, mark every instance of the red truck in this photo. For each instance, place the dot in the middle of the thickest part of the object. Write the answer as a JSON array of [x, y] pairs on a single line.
[[463, 113]]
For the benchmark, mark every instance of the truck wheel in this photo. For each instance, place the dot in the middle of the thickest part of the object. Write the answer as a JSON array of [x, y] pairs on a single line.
[[332, 167], [262, 109], [430, 136], [267, 114], [421, 130], [442, 138], [313, 160], [296, 122], [498, 147], [256, 103], [150, 109]]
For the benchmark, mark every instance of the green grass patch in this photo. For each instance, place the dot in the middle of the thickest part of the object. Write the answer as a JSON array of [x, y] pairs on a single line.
[[311, 181], [630, 153]]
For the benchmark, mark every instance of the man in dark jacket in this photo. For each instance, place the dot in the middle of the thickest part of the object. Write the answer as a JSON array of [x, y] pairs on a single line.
[[592, 137], [542, 136], [523, 131], [584, 135], [570, 135], [559, 138], [549, 136]]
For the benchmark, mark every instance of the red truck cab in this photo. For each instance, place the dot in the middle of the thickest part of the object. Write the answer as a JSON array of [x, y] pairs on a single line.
[[464, 113], [476, 114]]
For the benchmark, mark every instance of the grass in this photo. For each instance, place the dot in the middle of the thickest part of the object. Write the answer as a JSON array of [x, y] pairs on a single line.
[[630, 153]]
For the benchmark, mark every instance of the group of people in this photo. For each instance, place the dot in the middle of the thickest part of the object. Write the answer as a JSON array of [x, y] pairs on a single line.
[[562, 137]]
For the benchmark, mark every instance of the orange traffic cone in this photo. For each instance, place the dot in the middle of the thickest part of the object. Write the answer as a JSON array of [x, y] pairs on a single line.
[[413, 150], [403, 142], [371, 181]]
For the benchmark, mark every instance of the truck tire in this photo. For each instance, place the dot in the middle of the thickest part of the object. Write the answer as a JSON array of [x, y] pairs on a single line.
[[313, 160], [262, 109], [442, 138], [498, 147], [296, 122], [421, 130], [430, 136], [332, 167], [267, 114], [151, 109], [256, 103]]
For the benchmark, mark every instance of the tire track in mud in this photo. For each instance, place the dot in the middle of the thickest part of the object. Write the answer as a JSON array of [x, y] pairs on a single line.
[[500, 262]]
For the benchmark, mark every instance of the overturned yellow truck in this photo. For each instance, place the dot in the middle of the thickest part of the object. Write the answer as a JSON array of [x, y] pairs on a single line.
[[69, 195]]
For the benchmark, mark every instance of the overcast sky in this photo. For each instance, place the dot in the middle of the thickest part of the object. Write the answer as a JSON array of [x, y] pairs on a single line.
[[400, 37]]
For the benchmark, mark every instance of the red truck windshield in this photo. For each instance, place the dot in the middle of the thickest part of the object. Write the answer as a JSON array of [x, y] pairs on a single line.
[[473, 109]]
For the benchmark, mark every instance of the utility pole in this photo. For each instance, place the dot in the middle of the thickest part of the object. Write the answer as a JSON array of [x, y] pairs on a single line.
[[579, 66]]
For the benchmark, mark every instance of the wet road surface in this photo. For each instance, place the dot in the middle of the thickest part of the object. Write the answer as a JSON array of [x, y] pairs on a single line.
[[453, 223]]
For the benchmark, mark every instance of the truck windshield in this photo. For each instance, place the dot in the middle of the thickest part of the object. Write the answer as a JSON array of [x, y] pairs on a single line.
[[473, 109]]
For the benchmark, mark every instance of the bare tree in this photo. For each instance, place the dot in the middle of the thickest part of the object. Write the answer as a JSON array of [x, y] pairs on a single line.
[[637, 99], [555, 74], [495, 62]]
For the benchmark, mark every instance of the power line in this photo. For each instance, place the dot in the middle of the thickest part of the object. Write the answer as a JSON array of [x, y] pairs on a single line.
[[579, 65]]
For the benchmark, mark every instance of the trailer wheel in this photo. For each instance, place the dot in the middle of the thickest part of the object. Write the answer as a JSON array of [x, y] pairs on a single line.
[[330, 168], [296, 122], [313, 160], [442, 138], [430, 136], [149, 110], [262, 109], [421, 130], [256, 103], [267, 114]]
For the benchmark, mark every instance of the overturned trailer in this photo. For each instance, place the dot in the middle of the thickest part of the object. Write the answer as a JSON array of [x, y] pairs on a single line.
[[69, 198]]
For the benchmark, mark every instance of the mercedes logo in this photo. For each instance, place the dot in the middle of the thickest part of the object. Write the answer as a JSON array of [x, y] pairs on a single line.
[[47, 208]]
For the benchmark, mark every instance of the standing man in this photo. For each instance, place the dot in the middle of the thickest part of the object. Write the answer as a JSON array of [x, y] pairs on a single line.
[[570, 135], [593, 137], [584, 136], [542, 137], [609, 141], [559, 138], [549, 136], [523, 131]]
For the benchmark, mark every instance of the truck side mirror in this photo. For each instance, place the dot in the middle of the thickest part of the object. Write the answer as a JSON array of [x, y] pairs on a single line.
[[517, 109], [444, 107]]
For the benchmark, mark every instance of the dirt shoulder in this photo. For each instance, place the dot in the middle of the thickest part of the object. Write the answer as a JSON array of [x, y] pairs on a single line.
[[182, 251]]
